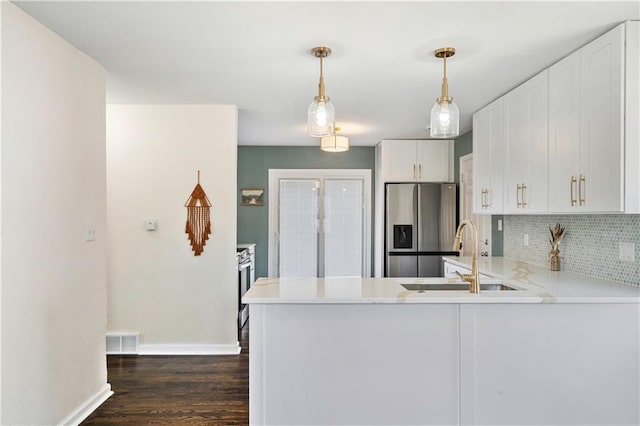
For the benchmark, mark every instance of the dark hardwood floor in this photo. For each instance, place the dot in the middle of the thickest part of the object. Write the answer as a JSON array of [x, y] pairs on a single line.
[[196, 390]]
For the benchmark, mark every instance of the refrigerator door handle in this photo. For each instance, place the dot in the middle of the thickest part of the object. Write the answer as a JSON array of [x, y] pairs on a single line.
[[416, 217]]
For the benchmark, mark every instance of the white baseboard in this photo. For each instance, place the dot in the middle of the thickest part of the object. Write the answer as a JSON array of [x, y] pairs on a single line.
[[188, 349], [88, 406]]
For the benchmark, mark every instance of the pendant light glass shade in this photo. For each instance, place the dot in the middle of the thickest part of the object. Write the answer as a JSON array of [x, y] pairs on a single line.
[[334, 143], [445, 120], [445, 115], [321, 115]]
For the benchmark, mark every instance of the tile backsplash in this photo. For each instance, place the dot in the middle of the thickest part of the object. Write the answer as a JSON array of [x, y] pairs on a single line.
[[590, 246]]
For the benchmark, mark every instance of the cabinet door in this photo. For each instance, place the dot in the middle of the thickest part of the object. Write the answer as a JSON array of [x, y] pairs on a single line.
[[495, 191], [564, 134], [602, 122], [489, 158], [481, 161], [516, 149], [402, 162], [536, 194], [526, 136], [434, 160]]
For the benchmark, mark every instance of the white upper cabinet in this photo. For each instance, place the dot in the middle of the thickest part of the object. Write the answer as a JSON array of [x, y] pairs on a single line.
[[593, 166], [488, 159], [526, 118], [571, 135], [602, 123], [399, 158], [564, 134], [417, 160], [632, 120]]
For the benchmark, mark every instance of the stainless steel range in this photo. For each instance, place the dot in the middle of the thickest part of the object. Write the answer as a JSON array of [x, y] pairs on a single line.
[[245, 253]]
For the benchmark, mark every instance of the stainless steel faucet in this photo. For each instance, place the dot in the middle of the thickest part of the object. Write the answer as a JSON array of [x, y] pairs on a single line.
[[472, 278]]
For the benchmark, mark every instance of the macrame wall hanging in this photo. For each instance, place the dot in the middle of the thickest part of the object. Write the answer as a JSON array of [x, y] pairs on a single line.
[[198, 218]]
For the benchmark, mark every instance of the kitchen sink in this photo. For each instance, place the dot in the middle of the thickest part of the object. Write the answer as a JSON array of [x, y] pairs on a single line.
[[421, 288]]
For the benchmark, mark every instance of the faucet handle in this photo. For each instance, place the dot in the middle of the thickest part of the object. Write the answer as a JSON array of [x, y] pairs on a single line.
[[460, 275]]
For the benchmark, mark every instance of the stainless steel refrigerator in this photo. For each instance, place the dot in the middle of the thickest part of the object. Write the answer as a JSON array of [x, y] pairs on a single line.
[[420, 226]]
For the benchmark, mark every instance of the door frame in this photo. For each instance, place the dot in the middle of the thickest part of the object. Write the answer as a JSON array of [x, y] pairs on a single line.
[[483, 225], [274, 203]]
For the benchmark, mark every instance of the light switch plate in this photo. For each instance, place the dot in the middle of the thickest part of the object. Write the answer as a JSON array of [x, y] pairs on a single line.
[[499, 224], [151, 224], [627, 252], [526, 239], [90, 233]]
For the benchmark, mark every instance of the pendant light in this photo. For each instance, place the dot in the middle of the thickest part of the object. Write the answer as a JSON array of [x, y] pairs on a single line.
[[445, 115], [334, 143], [321, 114]]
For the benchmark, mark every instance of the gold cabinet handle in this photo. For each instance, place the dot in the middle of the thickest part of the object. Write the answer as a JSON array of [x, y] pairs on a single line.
[[419, 171], [487, 195], [580, 190], [523, 195], [573, 182], [518, 203]]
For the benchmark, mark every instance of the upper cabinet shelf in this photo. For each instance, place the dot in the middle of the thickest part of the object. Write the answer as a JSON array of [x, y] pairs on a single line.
[[570, 135]]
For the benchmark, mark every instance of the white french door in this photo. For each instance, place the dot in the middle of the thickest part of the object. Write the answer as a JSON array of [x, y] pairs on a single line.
[[319, 223]]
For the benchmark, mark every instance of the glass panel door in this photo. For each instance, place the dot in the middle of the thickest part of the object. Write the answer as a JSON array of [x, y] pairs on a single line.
[[319, 223], [298, 227], [343, 228]]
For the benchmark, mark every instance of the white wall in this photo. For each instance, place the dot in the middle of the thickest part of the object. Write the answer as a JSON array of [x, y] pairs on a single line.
[[53, 186], [179, 303]]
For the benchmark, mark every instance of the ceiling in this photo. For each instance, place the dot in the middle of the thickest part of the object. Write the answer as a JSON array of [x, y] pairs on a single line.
[[382, 76]]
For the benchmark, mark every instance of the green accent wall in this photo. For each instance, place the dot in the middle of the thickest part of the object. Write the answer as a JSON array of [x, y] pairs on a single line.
[[254, 163], [463, 146]]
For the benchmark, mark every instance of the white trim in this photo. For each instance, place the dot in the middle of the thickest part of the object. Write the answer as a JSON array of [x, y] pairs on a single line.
[[461, 205], [276, 174], [188, 349], [85, 409]]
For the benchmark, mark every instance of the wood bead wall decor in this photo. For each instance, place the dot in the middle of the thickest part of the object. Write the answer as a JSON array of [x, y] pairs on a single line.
[[198, 226]]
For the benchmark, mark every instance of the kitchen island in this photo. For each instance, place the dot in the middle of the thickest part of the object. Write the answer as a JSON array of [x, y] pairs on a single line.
[[560, 349]]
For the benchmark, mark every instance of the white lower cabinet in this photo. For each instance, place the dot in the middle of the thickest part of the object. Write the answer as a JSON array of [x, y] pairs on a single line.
[[549, 364], [444, 364], [362, 364]]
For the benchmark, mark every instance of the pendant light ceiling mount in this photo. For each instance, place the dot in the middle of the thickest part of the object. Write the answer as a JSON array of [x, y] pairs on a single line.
[[445, 113], [445, 52], [321, 52], [321, 113]]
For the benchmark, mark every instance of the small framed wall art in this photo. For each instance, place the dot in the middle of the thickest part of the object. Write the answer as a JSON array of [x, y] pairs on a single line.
[[252, 197]]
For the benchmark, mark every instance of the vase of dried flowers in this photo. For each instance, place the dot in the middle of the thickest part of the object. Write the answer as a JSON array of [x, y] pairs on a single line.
[[557, 234]]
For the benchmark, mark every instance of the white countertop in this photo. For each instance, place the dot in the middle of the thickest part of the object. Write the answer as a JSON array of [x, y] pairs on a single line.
[[561, 286], [536, 284]]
